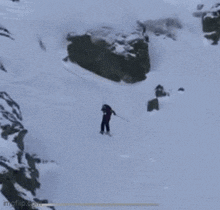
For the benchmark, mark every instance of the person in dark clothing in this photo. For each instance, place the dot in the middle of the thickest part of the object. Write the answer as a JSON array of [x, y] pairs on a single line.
[[107, 112]]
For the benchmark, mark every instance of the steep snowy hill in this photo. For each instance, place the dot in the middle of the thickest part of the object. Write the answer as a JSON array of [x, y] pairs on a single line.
[[168, 157]]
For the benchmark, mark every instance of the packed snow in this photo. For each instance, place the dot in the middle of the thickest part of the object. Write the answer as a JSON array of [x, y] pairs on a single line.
[[168, 157]]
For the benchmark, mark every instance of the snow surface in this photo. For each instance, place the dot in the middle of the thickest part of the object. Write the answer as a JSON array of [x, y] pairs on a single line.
[[169, 157]]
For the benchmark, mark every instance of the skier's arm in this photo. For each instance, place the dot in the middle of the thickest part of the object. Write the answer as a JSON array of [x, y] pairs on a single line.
[[113, 112]]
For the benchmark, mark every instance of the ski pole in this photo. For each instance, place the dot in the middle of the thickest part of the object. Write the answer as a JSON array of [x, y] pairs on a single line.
[[122, 118]]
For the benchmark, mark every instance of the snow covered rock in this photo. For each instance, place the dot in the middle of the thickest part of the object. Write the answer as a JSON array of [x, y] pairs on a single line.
[[211, 24], [18, 172], [113, 55]]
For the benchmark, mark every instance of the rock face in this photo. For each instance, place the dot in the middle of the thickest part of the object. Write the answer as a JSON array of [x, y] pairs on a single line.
[[115, 56], [18, 172], [211, 24]]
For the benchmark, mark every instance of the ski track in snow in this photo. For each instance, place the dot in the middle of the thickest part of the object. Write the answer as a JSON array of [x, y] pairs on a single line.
[[169, 157]]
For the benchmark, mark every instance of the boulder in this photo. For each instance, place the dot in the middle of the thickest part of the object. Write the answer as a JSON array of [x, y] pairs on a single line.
[[153, 104], [2, 67], [181, 89], [115, 56]]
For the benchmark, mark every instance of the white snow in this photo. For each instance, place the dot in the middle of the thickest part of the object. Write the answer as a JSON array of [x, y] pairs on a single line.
[[169, 157], [7, 147]]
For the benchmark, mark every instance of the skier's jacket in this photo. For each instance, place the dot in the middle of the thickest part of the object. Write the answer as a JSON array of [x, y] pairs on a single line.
[[107, 112]]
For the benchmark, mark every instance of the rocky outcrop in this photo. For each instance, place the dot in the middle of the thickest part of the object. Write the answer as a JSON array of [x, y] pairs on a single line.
[[19, 176], [115, 56], [210, 23]]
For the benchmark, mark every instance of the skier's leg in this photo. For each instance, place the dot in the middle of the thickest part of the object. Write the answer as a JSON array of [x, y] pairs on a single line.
[[102, 127], [107, 127]]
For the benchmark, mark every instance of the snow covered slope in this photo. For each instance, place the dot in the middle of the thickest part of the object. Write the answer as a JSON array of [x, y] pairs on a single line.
[[168, 157]]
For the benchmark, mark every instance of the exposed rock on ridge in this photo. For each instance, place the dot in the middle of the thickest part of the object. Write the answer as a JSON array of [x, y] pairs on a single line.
[[18, 172]]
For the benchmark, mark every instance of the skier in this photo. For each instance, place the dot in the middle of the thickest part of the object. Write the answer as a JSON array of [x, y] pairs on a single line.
[[107, 112]]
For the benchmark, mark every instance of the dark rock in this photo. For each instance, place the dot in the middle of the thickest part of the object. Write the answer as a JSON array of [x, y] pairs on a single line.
[[181, 89], [66, 59], [13, 196], [124, 58], [19, 139], [159, 91], [211, 24], [32, 164], [2, 67], [42, 45], [8, 130], [153, 104], [214, 37]]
